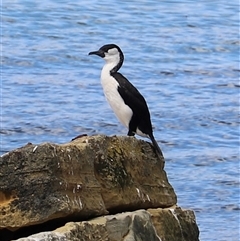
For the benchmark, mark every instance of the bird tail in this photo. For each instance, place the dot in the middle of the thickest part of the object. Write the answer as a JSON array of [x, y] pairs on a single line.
[[156, 146]]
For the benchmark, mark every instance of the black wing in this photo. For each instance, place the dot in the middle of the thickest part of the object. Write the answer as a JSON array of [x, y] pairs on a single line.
[[133, 98]]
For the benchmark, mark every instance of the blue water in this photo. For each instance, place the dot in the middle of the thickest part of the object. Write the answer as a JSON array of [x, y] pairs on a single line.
[[182, 55]]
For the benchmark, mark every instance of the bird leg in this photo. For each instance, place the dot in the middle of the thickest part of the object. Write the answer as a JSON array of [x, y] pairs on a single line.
[[130, 133]]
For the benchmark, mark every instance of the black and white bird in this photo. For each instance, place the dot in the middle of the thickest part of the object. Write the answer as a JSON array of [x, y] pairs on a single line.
[[126, 101]]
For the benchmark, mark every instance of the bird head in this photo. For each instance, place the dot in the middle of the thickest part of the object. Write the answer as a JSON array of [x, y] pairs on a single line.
[[111, 53]]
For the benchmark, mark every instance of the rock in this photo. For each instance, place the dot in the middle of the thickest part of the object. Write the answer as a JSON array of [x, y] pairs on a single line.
[[140, 225], [89, 177], [175, 224]]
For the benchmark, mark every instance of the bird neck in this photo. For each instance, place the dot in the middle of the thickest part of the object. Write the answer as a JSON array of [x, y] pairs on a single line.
[[117, 66], [109, 69], [113, 63], [106, 71]]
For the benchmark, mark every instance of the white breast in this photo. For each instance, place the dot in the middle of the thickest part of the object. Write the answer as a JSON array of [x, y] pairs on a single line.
[[110, 86]]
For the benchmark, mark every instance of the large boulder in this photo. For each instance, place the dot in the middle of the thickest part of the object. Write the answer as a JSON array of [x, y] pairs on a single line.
[[88, 177]]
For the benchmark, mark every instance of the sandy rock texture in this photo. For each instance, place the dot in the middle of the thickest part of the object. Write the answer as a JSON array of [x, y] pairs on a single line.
[[140, 225], [44, 186]]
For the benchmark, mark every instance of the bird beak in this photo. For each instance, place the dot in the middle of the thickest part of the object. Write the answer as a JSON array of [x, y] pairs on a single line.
[[100, 53]]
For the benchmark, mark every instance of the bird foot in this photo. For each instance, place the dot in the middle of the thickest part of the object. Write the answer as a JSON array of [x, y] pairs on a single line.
[[79, 136]]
